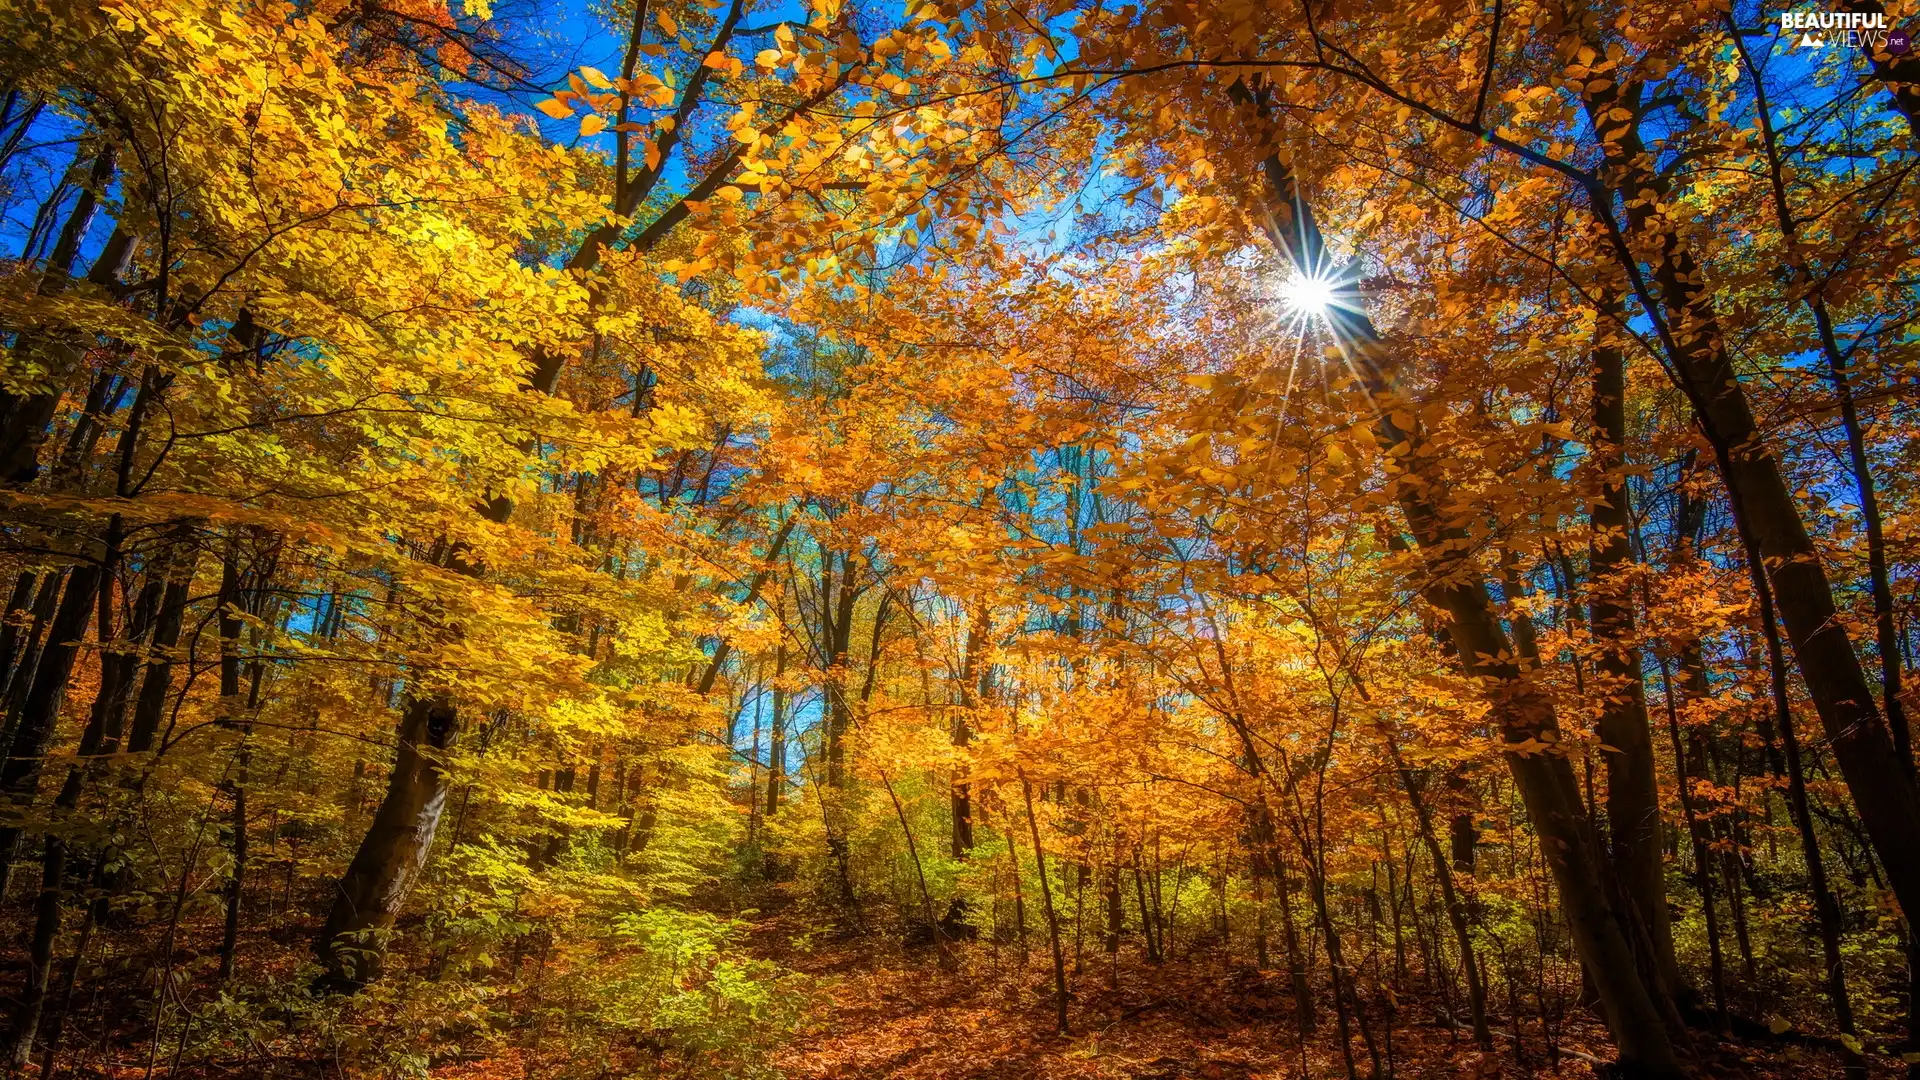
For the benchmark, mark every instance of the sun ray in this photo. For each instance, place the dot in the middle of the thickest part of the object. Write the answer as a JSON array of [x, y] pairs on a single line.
[[1307, 295]]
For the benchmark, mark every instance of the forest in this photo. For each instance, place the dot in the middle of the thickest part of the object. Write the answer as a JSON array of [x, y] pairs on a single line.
[[1322, 539]]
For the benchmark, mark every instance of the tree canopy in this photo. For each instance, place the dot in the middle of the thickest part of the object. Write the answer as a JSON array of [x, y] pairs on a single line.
[[524, 524]]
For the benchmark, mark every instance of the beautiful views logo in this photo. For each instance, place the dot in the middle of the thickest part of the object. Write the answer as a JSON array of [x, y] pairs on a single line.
[[1853, 29]]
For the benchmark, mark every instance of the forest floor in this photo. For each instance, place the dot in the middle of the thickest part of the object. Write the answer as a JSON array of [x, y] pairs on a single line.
[[883, 1013], [875, 1010]]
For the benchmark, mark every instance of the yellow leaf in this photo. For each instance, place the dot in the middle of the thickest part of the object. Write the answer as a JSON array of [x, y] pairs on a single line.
[[553, 108], [594, 76], [668, 25], [592, 124]]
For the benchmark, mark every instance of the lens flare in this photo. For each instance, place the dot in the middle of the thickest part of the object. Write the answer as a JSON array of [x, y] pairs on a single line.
[[1304, 294]]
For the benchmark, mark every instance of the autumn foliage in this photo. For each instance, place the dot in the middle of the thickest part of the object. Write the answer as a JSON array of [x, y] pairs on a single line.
[[525, 527]]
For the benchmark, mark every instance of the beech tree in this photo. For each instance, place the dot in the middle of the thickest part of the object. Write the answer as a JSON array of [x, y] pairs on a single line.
[[533, 539]]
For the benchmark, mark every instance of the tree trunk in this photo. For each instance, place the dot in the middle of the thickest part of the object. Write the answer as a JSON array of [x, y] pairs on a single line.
[[976, 681], [40, 707], [1825, 907], [1524, 713], [1449, 898], [1901, 74], [98, 737], [1053, 920], [237, 876], [10, 638], [777, 739], [1884, 792], [1115, 909], [1633, 794], [157, 680], [1267, 842], [1702, 859], [24, 418], [104, 398], [394, 851], [836, 607], [20, 680], [397, 843]]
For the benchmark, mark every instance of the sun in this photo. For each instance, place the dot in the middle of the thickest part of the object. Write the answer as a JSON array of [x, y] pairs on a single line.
[[1307, 294]]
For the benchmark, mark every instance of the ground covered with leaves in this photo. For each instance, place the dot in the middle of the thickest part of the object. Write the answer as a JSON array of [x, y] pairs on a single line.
[[519, 528], [878, 1010]]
